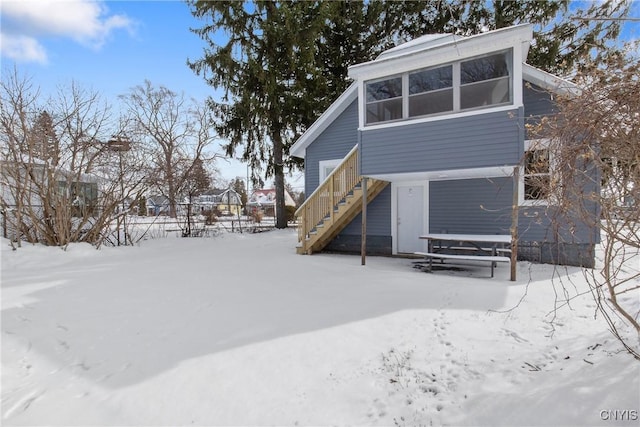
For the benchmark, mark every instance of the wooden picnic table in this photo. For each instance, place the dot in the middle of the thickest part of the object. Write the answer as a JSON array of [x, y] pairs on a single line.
[[466, 247]]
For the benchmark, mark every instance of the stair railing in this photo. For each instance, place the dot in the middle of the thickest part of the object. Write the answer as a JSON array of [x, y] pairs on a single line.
[[319, 206]]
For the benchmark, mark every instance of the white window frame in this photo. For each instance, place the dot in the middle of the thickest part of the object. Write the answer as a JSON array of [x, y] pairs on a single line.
[[532, 145], [324, 165], [333, 164], [403, 90], [456, 85], [406, 110], [509, 77]]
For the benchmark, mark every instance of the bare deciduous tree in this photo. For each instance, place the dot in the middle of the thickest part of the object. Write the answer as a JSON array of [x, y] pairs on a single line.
[[595, 153], [57, 187], [197, 181], [176, 132]]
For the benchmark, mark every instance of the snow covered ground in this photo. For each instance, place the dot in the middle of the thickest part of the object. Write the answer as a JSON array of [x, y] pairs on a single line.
[[239, 330]]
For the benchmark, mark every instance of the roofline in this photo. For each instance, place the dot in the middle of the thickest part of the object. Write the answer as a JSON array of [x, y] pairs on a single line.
[[549, 81], [442, 52], [323, 122], [417, 44]]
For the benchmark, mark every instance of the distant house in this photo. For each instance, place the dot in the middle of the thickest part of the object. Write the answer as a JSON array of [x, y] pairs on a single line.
[[224, 201], [157, 205], [31, 191], [264, 201], [28, 182], [438, 126]]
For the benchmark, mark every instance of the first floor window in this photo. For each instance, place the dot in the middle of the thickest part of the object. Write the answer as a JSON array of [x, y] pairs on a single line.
[[537, 172]]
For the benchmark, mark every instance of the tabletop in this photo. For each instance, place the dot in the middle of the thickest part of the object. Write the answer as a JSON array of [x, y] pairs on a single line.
[[493, 238]]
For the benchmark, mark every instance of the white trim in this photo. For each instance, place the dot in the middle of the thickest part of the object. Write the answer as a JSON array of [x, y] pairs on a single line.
[[437, 117], [536, 144], [447, 175], [420, 43], [362, 104], [335, 109], [394, 210], [327, 163], [516, 76], [457, 86], [455, 49], [394, 218], [549, 81], [456, 80], [405, 96]]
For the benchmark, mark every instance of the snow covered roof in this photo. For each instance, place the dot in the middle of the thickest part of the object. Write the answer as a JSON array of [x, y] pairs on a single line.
[[268, 197], [423, 42]]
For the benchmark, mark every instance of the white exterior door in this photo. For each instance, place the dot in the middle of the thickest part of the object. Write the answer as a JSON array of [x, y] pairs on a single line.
[[410, 218]]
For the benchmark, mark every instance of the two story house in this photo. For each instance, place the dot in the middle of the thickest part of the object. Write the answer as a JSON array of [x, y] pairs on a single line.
[[227, 202], [437, 127], [264, 200]]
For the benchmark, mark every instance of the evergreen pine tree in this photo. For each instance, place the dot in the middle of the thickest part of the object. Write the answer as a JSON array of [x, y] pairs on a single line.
[[282, 63]]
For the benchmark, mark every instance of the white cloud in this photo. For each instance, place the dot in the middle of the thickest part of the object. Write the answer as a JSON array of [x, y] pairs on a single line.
[[22, 49], [84, 21]]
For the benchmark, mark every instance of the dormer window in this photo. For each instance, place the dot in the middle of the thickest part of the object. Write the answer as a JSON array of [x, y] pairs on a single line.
[[480, 82], [484, 81], [384, 100], [431, 91]]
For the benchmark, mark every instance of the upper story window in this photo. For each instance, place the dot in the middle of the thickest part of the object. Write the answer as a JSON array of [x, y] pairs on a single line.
[[384, 100], [480, 82], [431, 91], [484, 81]]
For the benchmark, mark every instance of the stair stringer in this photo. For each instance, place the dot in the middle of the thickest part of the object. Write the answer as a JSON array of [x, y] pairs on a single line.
[[344, 213]]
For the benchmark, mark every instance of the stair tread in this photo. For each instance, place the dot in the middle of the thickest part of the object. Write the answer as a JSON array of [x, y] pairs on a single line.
[[343, 214]]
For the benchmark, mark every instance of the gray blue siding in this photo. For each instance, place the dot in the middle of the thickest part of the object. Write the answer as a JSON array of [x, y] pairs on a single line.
[[334, 143], [482, 140], [470, 206], [481, 206], [378, 217], [379, 240], [538, 103]]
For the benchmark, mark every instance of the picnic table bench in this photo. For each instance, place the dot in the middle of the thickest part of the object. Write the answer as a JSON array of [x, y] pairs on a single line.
[[466, 247]]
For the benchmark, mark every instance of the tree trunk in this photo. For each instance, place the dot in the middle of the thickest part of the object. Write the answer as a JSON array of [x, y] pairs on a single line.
[[281, 213]]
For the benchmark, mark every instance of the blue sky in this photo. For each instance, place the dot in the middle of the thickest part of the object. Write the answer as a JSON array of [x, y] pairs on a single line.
[[112, 46], [109, 46]]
